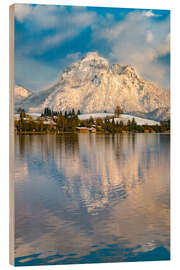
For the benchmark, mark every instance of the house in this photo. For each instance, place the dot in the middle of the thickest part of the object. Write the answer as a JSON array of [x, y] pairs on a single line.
[[86, 130], [82, 129]]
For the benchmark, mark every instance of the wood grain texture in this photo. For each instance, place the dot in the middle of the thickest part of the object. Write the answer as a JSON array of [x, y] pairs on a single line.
[[11, 134]]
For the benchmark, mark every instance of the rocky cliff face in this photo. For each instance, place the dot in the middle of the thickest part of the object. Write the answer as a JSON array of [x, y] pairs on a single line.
[[92, 85]]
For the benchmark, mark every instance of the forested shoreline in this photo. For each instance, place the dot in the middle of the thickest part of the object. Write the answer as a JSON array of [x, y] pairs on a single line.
[[51, 122]]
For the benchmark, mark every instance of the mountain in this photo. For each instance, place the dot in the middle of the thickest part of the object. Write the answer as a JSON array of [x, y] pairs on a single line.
[[20, 93], [162, 113], [92, 85]]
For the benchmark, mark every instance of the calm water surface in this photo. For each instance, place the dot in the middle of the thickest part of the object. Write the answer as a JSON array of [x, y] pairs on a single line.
[[91, 198]]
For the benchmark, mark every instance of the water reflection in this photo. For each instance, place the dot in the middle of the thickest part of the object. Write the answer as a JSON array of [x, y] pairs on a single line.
[[91, 198]]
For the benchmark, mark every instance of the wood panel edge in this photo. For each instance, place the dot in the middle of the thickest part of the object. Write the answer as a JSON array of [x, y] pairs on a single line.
[[11, 135]]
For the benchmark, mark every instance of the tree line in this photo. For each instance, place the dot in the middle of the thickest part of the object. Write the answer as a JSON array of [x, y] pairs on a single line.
[[50, 113], [57, 122]]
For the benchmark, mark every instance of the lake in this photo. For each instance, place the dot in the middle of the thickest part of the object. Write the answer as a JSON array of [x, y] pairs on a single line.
[[89, 198]]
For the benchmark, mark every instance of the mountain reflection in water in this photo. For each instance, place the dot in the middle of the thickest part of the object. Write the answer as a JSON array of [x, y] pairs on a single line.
[[91, 198]]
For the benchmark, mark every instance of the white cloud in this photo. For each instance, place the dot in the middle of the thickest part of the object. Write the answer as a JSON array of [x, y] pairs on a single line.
[[73, 56], [51, 41], [73, 24], [46, 17], [22, 11], [82, 19], [149, 13], [43, 16], [65, 24], [164, 49], [149, 36]]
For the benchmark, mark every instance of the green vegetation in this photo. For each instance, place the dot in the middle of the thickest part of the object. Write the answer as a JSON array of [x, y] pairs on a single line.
[[51, 122]]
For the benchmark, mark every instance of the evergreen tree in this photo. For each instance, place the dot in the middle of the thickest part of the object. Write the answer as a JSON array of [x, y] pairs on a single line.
[[129, 125], [48, 112], [22, 114], [91, 120], [133, 125], [121, 124], [118, 111], [73, 112]]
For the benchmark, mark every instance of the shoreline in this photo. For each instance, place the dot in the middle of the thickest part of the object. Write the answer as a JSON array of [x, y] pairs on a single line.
[[75, 133]]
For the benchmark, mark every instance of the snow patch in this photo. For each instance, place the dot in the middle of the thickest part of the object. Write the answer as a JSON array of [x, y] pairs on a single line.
[[124, 118], [94, 115]]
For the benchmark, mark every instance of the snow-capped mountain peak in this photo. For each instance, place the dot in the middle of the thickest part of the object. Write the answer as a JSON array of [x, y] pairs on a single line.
[[92, 85]]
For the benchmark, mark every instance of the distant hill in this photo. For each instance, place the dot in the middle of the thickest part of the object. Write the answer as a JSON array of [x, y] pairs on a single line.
[[20, 93]]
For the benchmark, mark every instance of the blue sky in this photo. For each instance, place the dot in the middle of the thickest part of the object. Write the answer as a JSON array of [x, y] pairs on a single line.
[[49, 38]]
